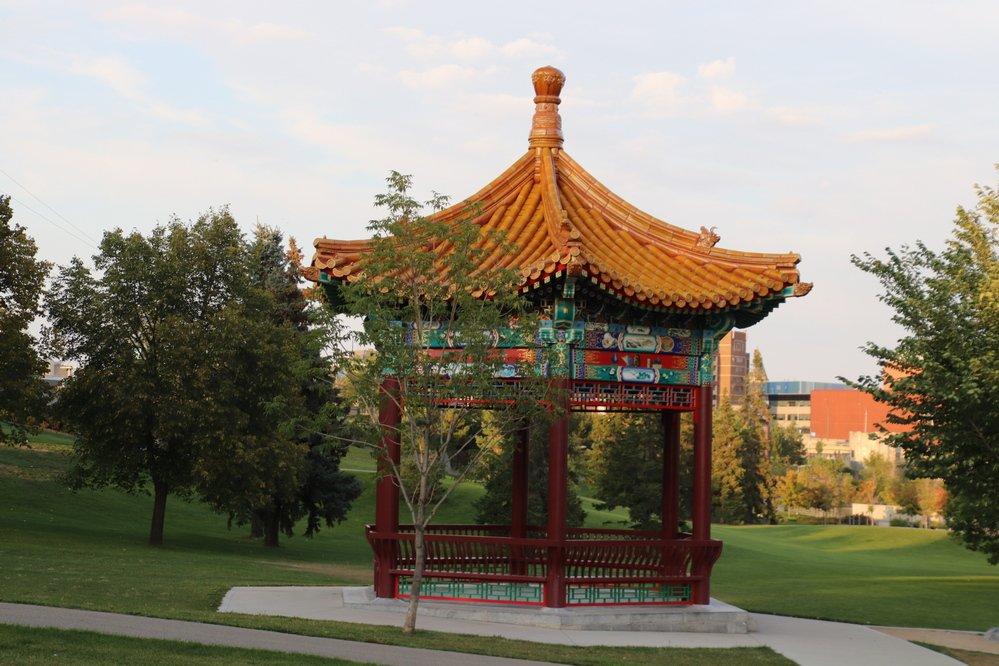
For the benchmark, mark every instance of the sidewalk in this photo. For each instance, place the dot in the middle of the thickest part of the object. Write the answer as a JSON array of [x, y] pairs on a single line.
[[218, 634], [807, 642]]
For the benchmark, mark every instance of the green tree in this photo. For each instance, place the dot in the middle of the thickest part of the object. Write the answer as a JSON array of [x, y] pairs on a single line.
[[787, 448], [408, 295], [23, 394], [494, 506], [624, 465], [275, 457], [759, 436], [822, 484], [941, 379], [741, 488], [907, 496], [144, 326], [756, 408], [790, 491], [883, 474], [932, 498]]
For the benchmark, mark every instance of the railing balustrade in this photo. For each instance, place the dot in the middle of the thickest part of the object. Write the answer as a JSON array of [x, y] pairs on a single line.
[[602, 565]]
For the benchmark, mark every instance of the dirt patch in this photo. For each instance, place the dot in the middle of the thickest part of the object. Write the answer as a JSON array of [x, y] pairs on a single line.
[[965, 656], [348, 573], [958, 640]]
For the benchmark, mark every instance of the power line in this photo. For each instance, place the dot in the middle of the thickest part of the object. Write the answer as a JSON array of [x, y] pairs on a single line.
[[39, 200], [54, 223]]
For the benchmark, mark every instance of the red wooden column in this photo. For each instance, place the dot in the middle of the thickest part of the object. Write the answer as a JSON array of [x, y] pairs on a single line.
[[701, 501], [670, 511], [386, 491], [558, 477], [518, 497]]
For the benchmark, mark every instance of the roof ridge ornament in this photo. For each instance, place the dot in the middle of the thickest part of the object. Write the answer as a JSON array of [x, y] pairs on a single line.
[[546, 126], [708, 238]]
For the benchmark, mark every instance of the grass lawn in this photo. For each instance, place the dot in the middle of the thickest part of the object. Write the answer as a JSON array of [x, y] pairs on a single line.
[[87, 550], [870, 575], [23, 645]]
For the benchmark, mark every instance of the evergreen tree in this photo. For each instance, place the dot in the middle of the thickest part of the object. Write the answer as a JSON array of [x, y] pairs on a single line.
[[494, 506], [276, 457], [756, 408], [787, 448], [23, 394], [760, 436], [741, 492], [941, 379], [623, 464]]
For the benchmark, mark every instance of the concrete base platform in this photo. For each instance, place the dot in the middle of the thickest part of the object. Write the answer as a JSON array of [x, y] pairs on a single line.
[[806, 642], [716, 617]]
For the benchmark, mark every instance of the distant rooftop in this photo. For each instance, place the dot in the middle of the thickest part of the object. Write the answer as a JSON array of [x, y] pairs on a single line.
[[798, 387]]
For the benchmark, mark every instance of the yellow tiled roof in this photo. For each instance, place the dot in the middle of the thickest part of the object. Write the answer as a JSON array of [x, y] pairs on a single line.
[[559, 218]]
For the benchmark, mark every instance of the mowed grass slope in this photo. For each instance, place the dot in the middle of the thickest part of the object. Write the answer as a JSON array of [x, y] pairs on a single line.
[[870, 575], [21, 645], [87, 550]]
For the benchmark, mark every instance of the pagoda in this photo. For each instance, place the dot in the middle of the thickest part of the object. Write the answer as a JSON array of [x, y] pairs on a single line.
[[638, 305]]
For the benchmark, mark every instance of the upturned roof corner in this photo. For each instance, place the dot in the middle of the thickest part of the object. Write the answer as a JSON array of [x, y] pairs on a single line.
[[561, 220]]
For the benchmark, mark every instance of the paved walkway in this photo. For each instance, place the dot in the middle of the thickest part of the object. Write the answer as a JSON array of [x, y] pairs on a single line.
[[807, 642], [216, 634]]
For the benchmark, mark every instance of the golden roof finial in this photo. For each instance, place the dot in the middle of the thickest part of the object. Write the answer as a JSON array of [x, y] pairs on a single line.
[[546, 127]]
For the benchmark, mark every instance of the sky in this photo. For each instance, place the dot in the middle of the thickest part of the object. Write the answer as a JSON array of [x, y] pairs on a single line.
[[826, 128]]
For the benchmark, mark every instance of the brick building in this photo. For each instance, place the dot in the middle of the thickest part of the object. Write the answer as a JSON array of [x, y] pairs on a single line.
[[835, 414], [790, 402], [731, 369]]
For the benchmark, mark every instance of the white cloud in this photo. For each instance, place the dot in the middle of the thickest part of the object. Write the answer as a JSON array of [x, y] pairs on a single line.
[[130, 83], [659, 92], [902, 133], [791, 116], [717, 69], [471, 48], [727, 100], [113, 72], [441, 76], [422, 45], [159, 19], [529, 48], [670, 94]]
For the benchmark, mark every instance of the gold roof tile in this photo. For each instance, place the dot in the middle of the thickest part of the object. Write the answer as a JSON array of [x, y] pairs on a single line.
[[554, 214]]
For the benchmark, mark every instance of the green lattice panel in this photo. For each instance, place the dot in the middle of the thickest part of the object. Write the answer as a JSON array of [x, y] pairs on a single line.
[[523, 593], [619, 594]]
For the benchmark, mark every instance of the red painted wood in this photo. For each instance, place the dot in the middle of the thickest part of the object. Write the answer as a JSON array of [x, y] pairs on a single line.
[[701, 508], [555, 555], [636, 359], [558, 476], [602, 559], [387, 492]]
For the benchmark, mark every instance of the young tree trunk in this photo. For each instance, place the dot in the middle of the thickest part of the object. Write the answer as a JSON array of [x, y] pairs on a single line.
[[159, 511], [409, 626], [271, 530]]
